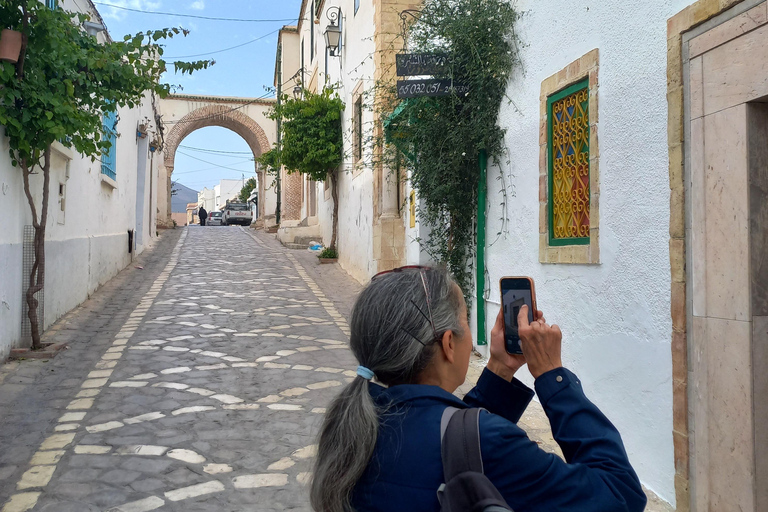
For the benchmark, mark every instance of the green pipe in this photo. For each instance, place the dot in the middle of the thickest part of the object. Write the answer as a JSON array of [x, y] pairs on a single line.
[[480, 278]]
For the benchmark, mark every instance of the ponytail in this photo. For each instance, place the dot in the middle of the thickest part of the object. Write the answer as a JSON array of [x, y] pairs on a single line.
[[345, 446]]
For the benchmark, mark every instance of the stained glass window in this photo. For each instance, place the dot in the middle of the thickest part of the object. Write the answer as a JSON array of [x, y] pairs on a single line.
[[568, 148]]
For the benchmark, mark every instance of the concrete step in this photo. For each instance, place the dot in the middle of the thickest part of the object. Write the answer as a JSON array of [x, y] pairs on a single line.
[[296, 246]]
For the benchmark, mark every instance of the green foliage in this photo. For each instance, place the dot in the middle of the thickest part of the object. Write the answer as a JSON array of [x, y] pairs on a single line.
[[328, 253], [245, 192], [443, 136], [312, 137], [67, 80], [270, 161]]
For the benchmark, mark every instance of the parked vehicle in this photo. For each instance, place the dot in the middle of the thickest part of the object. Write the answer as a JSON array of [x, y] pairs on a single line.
[[237, 213], [215, 219]]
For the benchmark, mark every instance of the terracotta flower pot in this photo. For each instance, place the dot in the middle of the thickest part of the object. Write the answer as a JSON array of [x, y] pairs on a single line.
[[328, 260], [10, 45]]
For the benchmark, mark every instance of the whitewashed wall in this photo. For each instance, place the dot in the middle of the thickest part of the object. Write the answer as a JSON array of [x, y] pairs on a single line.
[[615, 316], [87, 242], [355, 65]]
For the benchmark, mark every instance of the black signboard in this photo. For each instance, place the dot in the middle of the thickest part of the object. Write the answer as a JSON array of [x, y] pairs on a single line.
[[429, 87], [417, 64]]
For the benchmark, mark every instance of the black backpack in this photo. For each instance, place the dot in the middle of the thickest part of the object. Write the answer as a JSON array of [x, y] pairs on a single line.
[[466, 488]]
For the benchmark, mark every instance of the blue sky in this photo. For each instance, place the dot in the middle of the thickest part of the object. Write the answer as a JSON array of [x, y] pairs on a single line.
[[210, 154]]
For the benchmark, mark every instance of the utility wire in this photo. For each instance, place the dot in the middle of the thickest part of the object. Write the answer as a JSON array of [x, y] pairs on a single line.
[[217, 151], [225, 49], [210, 163], [193, 15], [216, 167]]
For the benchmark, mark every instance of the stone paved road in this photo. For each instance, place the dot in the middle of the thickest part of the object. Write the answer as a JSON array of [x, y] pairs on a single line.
[[196, 384]]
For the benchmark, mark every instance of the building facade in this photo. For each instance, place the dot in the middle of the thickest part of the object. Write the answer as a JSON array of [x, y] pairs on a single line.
[[657, 278], [95, 209]]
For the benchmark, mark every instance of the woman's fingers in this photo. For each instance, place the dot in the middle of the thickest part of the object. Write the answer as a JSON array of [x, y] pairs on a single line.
[[522, 317]]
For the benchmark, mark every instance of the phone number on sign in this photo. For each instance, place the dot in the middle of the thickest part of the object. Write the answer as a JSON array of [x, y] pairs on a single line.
[[430, 88]]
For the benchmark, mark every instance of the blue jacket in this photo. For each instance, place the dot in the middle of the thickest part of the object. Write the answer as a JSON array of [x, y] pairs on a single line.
[[406, 469]]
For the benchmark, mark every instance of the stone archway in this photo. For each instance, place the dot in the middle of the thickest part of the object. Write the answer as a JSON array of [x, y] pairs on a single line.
[[183, 114]]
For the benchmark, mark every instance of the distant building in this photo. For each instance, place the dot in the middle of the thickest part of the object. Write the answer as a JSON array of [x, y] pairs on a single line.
[[227, 190], [191, 214], [207, 199]]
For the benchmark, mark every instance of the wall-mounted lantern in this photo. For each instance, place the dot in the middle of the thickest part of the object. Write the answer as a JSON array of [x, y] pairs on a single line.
[[93, 28], [333, 31], [296, 92]]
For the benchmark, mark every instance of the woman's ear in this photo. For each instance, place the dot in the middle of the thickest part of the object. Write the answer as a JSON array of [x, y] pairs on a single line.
[[448, 346]]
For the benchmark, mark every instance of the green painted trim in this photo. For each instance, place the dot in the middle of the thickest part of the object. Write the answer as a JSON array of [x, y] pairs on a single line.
[[558, 242], [480, 276]]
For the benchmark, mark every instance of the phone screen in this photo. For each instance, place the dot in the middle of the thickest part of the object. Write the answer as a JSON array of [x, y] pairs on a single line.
[[514, 293]]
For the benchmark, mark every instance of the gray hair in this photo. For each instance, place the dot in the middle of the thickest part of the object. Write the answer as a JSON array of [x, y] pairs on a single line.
[[392, 335]]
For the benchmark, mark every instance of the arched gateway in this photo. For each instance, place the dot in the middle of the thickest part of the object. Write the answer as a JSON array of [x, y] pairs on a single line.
[[183, 114]]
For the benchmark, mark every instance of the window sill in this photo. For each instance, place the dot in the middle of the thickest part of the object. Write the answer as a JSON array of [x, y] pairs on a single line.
[[106, 180], [63, 150]]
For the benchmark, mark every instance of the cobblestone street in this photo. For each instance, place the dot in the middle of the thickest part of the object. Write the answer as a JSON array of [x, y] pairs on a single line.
[[195, 383]]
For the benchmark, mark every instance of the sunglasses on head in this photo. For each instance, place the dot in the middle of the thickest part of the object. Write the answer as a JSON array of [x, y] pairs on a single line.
[[422, 274]]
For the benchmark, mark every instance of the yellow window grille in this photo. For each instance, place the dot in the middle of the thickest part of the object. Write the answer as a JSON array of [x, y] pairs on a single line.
[[568, 148]]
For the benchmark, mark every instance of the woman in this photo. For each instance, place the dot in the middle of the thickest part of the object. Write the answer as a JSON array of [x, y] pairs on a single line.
[[379, 447]]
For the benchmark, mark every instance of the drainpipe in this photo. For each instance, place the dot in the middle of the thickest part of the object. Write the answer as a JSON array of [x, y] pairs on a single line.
[[480, 277], [279, 130]]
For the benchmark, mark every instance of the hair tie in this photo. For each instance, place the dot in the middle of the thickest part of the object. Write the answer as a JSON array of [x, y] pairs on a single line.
[[364, 372]]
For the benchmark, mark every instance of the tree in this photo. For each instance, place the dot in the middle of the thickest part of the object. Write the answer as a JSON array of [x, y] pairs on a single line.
[[245, 192], [312, 141], [63, 84]]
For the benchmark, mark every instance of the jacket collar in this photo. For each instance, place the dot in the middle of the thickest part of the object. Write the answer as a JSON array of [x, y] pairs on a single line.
[[405, 393]]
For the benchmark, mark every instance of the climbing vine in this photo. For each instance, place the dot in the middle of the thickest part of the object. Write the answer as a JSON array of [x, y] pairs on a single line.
[[442, 136]]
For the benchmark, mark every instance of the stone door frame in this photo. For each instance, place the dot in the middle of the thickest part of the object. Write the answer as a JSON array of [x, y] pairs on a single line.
[[718, 21]]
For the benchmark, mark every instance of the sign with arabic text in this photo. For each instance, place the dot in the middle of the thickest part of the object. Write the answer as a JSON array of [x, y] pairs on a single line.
[[417, 64]]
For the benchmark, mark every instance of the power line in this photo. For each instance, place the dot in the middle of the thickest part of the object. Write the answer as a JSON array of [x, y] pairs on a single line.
[[225, 49], [216, 167], [216, 151], [194, 15], [209, 163]]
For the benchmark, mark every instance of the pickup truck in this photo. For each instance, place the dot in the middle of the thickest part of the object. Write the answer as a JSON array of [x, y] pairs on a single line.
[[237, 213]]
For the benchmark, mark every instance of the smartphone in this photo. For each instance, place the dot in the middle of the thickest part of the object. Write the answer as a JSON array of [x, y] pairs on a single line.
[[516, 291]]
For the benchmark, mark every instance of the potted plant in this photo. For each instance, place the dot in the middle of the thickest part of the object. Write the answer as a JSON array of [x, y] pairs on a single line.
[[10, 45], [328, 255]]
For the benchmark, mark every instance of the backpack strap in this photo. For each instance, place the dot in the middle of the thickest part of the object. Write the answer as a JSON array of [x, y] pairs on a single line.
[[460, 442]]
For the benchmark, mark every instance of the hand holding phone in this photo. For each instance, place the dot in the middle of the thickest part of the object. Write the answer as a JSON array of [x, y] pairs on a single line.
[[542, 344]]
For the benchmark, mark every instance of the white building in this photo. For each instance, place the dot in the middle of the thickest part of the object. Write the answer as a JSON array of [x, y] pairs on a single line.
[[92, 212], [227, 190], [207, 198], [663, 299]]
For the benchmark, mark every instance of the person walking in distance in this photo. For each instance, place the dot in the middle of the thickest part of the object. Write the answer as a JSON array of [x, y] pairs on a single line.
[[202, 214]]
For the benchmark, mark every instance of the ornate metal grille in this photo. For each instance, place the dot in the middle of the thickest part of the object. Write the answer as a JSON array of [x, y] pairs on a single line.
[[568, 148]]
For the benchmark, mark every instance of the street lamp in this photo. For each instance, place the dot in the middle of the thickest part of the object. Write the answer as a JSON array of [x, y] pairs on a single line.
[[333, 31], [296, 92]]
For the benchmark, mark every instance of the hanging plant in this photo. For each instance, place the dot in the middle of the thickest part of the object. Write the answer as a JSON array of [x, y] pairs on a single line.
[[443, 136]]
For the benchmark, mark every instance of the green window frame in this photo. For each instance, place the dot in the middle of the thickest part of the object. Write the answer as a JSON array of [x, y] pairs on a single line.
[[576, 88]]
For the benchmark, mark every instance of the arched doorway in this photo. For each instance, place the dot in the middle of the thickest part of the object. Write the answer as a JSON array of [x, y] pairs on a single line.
[[246, 117]]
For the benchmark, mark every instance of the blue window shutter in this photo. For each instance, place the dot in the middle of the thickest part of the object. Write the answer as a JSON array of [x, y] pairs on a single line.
[[108, 157], [51, 4]]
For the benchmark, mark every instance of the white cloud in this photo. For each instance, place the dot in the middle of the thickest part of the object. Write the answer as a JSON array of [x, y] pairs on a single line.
[[120, 14], [197, 5]]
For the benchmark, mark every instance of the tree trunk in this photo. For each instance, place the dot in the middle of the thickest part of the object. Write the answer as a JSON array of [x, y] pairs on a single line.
[[335, 196], [37, 274]]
